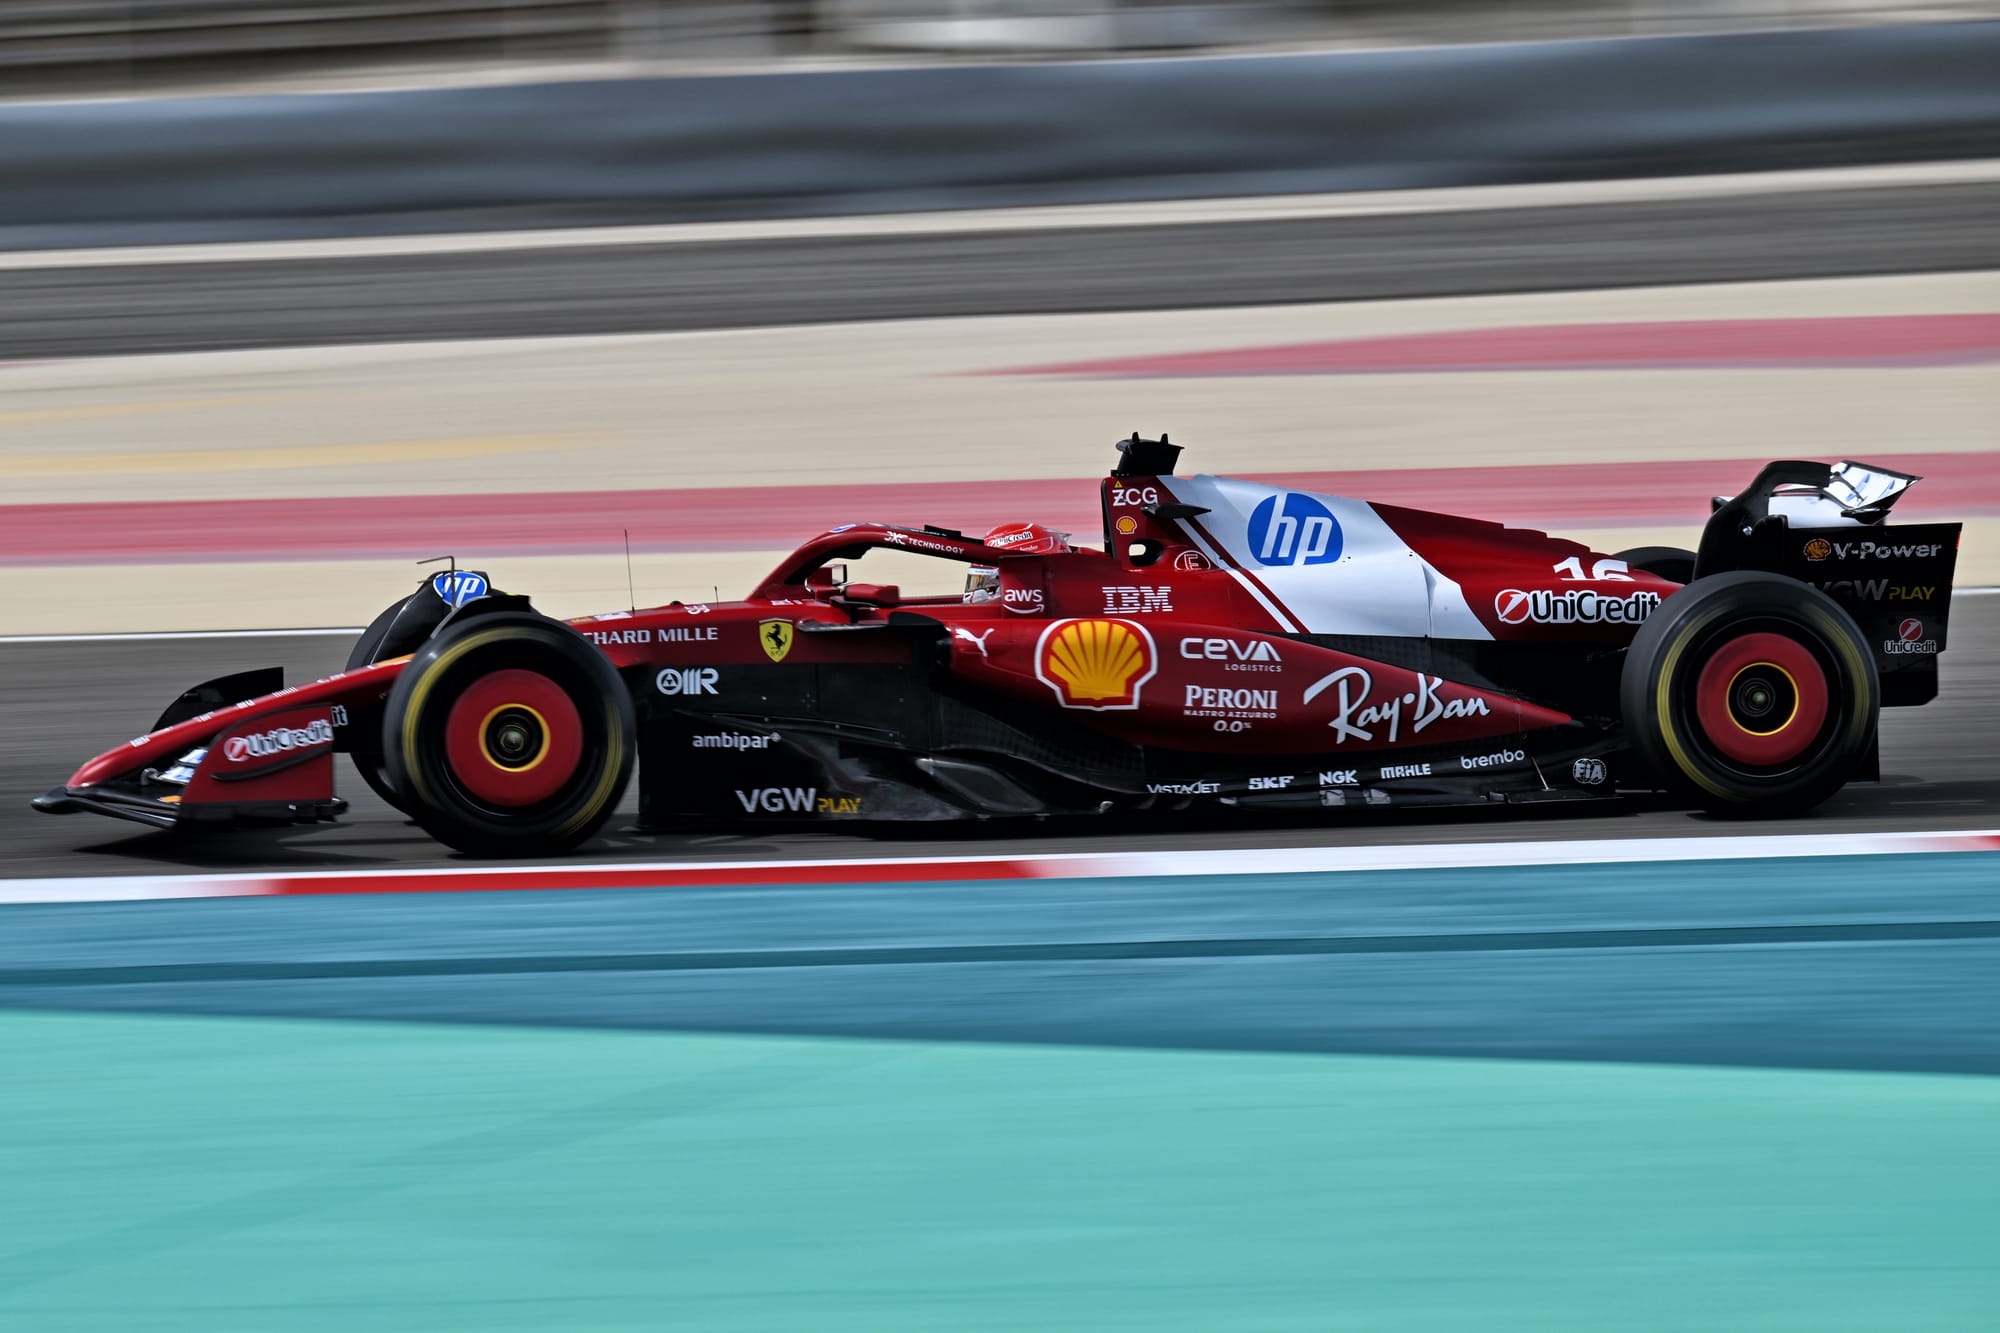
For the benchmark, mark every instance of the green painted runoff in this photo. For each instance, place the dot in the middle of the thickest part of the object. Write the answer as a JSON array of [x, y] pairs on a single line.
[[243, 1174]]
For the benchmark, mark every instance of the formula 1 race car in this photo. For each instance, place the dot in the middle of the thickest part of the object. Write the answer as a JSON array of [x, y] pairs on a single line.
[[1233, 643]]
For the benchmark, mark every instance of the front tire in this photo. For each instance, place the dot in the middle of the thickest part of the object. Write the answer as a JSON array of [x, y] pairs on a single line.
[[1752, 693], [509, 735], [369, 759]]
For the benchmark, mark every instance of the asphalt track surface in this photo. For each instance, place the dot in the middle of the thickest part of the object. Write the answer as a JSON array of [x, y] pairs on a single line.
[[68, 312]]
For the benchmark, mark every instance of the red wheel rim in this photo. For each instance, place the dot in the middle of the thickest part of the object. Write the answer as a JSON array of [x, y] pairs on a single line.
[[1762, 699], [513, 738]]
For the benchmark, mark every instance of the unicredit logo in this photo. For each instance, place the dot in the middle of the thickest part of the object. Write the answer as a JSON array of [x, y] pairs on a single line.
[[1910, 640], [277, 740], [1573, 606]]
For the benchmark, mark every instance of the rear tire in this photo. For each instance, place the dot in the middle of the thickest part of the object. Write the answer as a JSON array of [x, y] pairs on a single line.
[[1752, 693], [509, 735], [1669, 562]]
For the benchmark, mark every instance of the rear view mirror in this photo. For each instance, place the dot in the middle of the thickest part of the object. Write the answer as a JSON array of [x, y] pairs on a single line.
[[827, 578], [873, 594]]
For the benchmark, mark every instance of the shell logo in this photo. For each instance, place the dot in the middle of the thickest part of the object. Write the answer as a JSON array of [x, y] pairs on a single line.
[[1819, 548], [1096, 664]]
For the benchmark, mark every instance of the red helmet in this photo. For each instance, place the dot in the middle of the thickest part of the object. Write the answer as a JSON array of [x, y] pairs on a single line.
[[1029, 538], [982, 582]]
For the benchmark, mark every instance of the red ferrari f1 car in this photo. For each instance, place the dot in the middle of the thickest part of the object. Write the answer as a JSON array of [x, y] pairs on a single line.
[[1231, 643]]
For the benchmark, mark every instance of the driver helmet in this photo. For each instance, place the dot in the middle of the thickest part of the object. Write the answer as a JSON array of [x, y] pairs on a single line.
[[982, 582]]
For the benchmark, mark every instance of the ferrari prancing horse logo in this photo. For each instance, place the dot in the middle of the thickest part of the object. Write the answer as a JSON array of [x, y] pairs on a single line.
[[776, 636]]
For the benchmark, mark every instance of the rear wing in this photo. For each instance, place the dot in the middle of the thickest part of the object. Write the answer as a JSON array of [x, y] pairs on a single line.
[[1828, 525]]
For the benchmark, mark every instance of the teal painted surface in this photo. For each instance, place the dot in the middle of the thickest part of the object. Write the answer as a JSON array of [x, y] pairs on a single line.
[[1887, 963], [232, 1174]]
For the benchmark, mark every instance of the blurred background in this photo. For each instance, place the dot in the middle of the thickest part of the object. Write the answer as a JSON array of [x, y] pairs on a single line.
[[293, 296], [107, 45]]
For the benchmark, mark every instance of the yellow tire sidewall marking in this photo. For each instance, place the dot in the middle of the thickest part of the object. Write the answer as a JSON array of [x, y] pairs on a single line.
[[1793, 716], [540, 754], [1663, 712]]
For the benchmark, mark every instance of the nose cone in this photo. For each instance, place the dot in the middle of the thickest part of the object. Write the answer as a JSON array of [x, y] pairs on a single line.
[[56, 802]]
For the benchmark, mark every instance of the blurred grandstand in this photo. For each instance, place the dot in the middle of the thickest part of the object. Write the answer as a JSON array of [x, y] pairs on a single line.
[[116, 45]]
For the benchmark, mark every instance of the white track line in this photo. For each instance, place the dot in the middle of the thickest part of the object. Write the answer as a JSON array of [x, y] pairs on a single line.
[[1158, 213], [1062, 865]]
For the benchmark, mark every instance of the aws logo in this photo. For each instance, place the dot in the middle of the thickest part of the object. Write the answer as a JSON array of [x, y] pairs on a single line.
[[1100, 665]]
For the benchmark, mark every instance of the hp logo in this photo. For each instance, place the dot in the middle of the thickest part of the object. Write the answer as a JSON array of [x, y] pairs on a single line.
[[459, 586], [1293, 529]]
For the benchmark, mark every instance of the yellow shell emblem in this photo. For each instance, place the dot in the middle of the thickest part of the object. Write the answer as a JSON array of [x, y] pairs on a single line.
[[1096, 663]]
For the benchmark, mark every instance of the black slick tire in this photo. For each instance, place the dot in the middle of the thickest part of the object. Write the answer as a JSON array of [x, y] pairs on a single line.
[[509, 735], [1750, 693], [365, 750], [1669, 562]]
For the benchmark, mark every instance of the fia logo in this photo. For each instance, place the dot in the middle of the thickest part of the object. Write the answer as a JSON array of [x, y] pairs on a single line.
[[456, 587], [1294, 529], [1588, 772]]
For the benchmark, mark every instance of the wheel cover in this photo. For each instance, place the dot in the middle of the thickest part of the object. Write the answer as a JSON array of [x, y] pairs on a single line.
[[513, 738], [1762, 699]]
